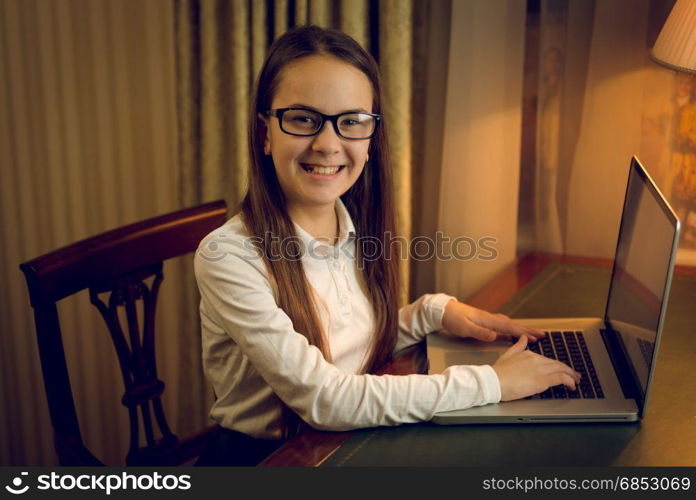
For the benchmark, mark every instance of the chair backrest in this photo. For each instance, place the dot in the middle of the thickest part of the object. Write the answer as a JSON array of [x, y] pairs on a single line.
[[117, 262]]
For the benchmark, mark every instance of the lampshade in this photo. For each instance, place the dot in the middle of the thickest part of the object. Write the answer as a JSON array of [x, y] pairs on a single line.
[[676, 45]]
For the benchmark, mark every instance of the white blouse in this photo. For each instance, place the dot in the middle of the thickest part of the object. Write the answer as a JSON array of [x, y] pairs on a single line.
[[254, 358]]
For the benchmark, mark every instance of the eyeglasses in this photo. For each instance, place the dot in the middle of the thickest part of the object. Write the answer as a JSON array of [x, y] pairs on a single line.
[[306, 122]]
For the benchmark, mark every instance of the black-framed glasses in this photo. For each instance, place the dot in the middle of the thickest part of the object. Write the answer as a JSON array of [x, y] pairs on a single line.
[[307, 122]]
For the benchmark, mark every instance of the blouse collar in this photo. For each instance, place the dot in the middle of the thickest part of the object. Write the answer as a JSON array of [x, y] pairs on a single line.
[[346, 231]]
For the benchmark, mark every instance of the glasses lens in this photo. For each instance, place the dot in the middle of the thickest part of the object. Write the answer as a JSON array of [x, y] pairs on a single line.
[[301, 121], [356, 125]]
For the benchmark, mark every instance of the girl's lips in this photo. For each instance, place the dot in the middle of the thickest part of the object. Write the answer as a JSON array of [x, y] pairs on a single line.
[[312, 170]]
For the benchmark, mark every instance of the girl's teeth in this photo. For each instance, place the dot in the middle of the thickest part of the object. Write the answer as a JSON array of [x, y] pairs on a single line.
[[325, 170]]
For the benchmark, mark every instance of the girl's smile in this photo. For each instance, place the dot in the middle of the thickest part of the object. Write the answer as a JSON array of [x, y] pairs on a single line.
[[322, 172]]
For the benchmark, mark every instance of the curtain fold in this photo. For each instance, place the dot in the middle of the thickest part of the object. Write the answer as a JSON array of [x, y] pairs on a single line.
[[395, 63], [353, 18]]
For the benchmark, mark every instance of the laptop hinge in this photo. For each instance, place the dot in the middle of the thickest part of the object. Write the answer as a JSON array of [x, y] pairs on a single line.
[[624, 371]]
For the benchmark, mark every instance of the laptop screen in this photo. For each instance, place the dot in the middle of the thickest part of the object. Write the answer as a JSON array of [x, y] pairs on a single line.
[[642, 270]]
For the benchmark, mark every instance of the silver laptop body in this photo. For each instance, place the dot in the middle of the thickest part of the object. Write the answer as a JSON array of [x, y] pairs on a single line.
[[623, 345]]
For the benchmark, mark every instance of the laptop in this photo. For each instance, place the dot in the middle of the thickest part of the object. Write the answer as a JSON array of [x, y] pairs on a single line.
[[615, 354]]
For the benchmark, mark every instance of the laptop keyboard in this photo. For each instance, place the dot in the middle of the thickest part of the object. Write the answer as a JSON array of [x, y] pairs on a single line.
[[569, 348]]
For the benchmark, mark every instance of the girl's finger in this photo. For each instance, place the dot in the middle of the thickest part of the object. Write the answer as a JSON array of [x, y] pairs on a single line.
[[503, 324], [482, 333]]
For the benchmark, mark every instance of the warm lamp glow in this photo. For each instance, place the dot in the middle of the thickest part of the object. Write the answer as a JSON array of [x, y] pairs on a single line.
[[676, 45]]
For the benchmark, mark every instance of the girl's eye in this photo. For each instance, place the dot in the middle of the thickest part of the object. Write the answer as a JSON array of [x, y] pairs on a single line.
[[349, 122], [303, 119], [301, 122]]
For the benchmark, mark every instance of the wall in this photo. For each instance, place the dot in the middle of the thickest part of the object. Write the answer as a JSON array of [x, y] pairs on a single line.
[[481, 148]]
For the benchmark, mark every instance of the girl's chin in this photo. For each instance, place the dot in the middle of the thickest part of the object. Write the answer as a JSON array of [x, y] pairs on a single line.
[[316, 197], [320, 200]]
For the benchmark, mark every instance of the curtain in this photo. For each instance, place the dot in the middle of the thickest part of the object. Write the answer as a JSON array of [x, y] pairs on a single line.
[[87, 144], [592, 99]]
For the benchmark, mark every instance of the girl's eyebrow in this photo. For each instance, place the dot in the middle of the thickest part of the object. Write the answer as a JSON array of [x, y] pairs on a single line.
[[312, 108]]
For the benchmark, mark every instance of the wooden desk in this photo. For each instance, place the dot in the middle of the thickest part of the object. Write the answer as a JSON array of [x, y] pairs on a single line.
[[632, 445]]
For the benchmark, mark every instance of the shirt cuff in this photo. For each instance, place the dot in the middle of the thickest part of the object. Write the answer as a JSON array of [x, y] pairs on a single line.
[[435, 307], [477, 385], [491, 384]]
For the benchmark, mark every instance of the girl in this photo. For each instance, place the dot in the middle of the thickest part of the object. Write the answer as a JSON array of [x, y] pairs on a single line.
[[299, 290]]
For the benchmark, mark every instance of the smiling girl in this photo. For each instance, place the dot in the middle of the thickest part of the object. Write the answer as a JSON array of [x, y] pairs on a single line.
[[296, 310]]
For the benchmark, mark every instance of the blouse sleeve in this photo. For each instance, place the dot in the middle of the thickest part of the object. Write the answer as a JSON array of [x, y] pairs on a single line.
[[418, 319], [236, 292]]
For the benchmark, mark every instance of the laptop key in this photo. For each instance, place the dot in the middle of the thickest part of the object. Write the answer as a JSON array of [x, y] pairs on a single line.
[[548, 350], [586, 389], [559, 392], [587, 392], [574, 394]]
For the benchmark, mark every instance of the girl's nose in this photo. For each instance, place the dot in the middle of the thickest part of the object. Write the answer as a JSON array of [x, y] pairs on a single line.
[[327, 140]]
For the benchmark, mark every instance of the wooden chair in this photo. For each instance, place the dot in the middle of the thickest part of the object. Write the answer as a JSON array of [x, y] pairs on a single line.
[[117, 262]]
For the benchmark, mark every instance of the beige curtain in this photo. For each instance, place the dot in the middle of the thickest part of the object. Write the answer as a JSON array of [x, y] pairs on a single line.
[[593, 98], [87, 143], [220, 48]]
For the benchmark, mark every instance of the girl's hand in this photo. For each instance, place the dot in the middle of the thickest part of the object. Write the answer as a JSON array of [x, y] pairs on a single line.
[[463, 320], [524, 373]]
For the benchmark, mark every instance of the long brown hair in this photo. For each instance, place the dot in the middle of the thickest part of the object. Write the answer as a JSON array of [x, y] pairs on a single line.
[[369, 203]]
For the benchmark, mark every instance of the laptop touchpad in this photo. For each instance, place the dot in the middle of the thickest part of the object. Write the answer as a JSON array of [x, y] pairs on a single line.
[[471, 357]]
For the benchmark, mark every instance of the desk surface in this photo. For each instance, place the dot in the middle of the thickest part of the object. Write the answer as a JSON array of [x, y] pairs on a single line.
[[578, 287]]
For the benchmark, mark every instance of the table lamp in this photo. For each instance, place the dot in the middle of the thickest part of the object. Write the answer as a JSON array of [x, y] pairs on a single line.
[[675, 47]]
